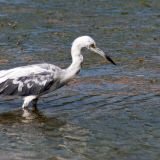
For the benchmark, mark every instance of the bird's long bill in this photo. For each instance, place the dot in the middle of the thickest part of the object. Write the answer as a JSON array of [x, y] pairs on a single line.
[[100, 52]]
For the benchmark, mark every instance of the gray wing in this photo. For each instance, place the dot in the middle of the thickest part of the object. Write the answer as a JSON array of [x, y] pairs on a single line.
[[33, 84]]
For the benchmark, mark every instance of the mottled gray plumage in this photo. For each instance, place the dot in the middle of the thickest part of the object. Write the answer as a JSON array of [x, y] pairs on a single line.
[[39, 79], [29, 85]]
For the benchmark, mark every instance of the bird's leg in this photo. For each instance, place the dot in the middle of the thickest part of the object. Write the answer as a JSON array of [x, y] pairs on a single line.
[[27, 101], [34, 104]]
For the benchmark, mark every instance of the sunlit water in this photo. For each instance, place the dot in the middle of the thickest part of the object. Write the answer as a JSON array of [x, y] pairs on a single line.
[[108, 112]]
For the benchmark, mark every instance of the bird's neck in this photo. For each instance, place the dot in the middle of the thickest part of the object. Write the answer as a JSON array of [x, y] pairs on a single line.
[[75, 66]]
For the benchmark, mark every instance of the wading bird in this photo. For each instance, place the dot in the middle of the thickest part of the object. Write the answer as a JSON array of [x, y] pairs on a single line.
[[32, 81]]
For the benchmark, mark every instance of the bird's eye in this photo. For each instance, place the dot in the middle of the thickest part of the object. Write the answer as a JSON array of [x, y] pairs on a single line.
[[92, 45]]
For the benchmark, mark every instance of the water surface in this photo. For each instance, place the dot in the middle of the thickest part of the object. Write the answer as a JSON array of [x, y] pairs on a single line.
[[108, 112]]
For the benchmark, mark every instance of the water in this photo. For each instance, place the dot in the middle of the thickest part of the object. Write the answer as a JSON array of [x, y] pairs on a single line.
[[108, 112]]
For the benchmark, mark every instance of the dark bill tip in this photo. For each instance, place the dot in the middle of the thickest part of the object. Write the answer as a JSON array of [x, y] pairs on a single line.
[[110, 60]]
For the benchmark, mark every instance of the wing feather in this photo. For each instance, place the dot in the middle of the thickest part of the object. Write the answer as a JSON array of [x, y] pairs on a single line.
[[24, 86], [28, 80]]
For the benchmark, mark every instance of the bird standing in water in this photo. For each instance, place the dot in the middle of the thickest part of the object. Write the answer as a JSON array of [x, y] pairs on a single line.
[[32, 81]]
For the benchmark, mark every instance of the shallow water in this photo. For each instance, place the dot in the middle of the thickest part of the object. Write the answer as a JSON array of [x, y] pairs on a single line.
[[107, 112]]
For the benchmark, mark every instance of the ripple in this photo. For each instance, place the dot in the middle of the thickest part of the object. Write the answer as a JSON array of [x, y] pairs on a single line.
[[107, 112]]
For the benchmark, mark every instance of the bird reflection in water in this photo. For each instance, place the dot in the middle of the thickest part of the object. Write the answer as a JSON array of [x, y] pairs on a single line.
[[29, 115], [34, 116], [32, 127]]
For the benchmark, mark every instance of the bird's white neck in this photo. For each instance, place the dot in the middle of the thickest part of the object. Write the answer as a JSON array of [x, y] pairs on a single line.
[[75, 66]]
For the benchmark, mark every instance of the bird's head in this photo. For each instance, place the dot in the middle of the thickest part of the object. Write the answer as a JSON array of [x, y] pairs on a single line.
[[89, 43]]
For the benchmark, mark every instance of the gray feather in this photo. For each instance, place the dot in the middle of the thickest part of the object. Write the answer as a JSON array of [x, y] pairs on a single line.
[[30, 85]]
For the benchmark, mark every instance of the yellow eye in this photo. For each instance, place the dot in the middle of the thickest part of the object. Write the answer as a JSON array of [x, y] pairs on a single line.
[[93, 45]]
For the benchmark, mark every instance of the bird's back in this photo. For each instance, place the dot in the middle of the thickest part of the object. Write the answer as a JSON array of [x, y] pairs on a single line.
[[28, 80]]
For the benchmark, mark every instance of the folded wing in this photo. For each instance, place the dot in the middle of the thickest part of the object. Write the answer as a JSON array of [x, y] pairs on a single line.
[[28, 80]]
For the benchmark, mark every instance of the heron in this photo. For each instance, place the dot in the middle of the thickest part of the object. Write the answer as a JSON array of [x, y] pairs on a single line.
[[32, 81]]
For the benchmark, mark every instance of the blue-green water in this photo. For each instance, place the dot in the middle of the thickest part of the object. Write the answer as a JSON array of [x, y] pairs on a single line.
[[108, 112]]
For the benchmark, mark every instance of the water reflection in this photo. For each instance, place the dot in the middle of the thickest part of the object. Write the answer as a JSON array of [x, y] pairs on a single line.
[[27, 115], [30, 115], [26, 132]]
